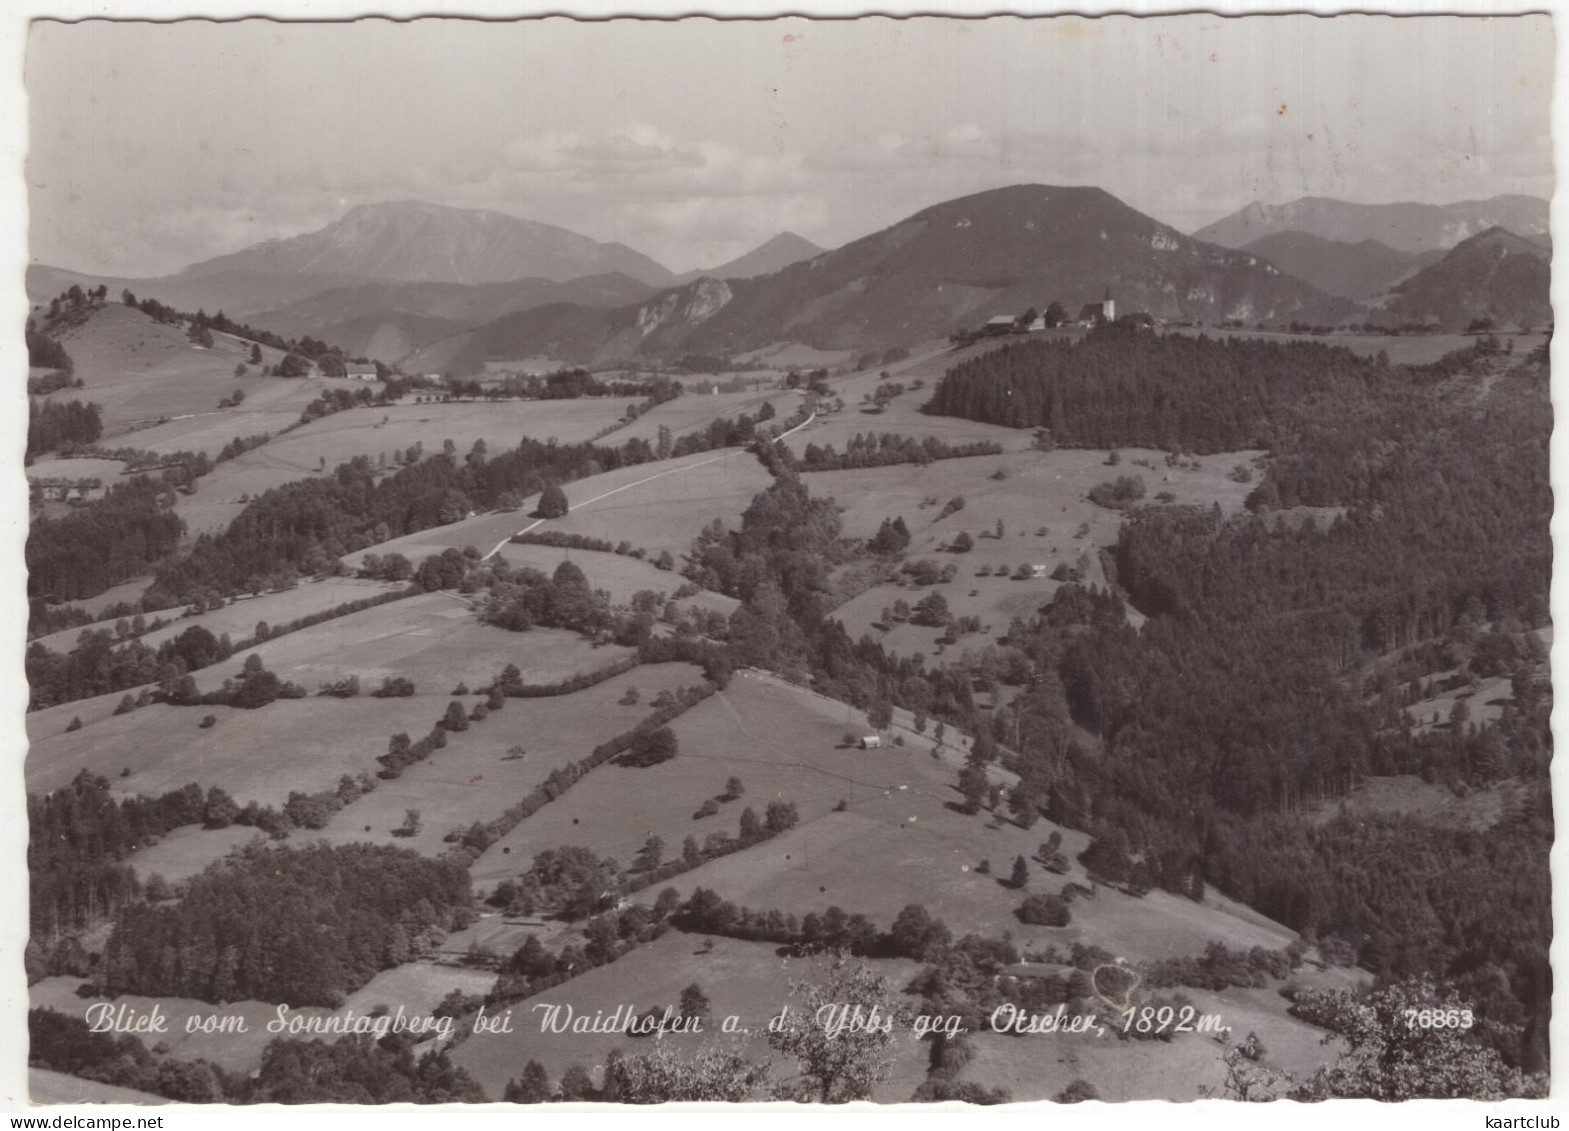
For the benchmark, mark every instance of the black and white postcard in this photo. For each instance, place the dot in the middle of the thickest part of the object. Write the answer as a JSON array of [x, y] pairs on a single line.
[[1001, 560]]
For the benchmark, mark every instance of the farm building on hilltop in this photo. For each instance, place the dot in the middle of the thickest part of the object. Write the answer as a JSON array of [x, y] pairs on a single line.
[[871, 741]]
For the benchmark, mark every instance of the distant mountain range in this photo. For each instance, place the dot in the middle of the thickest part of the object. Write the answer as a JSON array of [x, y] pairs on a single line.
[[432, 243], [954, 264], [1408, 227], [1495, 275], [448, 288], [775, 255], [375, 244], [1350, 270], [372, 319]]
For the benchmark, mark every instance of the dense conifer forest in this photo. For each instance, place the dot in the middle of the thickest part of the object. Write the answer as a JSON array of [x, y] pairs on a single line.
[[1122, 387], [302, 926]]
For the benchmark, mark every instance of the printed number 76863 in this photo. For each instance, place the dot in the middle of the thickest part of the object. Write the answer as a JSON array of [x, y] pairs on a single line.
[[1439, 1019]]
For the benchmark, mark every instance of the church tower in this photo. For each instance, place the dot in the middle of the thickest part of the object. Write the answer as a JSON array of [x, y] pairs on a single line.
[[1109, 307]]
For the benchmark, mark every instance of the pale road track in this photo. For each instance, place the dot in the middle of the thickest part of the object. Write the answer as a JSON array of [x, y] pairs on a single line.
[[647, 479]]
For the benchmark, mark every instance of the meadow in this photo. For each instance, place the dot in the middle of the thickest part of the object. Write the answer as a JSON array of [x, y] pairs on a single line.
[[239, 617], [654, 506], [382, 433], [620, 575], [140, 371], [1036, 492], [745, 979], [474, 779], [303, 744]]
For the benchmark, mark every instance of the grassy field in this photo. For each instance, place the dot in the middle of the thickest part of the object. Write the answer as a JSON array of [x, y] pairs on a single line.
[[239, 618], [1040, 490], [779, 744], [654, 506], [186, 851], [1486, 703], [1408, 795], [433, 639], [305, 743], [783, 355], [386, 431], [618, 574], [471, 780], [45, 1087], [747, 980], [131, 590], [665, 513], [138, 372], [899, 840], [106, 470], [1038, 1066], [901, 416], [695, 409]]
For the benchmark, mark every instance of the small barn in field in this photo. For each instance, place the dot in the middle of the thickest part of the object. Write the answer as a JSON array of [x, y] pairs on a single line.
[[871, 741]]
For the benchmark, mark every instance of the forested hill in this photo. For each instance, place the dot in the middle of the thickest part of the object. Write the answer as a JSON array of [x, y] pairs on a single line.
[[1118, 386]]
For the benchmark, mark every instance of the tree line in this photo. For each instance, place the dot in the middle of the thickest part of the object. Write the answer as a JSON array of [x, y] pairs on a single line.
[[1119, 387]]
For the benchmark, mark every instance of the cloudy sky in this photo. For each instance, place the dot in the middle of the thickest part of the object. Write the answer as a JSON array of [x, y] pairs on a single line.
[[153, 146]]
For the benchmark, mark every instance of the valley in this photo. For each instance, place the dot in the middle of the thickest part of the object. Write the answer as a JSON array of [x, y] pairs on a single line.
[[820, 623]]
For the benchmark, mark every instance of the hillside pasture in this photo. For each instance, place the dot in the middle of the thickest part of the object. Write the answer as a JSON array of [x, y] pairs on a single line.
[[696, 408], [901, 416], [781, 745], [669, 504], [240, 616], [304, 744], [140, 371], [471, 779], [1038, 490], [1036, 1067], [654, 506], [433, 639], [105, 470], [1485, 702], [744, 979], [185, 851], [1407, 795], [620, 575], [46, 1087], [382, 433], [798, 355], [126, 592], [899, 840], [307, 743]]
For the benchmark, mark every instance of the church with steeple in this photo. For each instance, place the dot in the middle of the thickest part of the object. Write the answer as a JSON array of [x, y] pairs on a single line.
[[1103, 311]]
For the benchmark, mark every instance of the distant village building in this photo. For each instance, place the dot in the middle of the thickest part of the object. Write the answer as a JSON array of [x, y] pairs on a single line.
[[354, 371], [871, 741], [1039, 571], [1103, 311], [1002, 324]]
